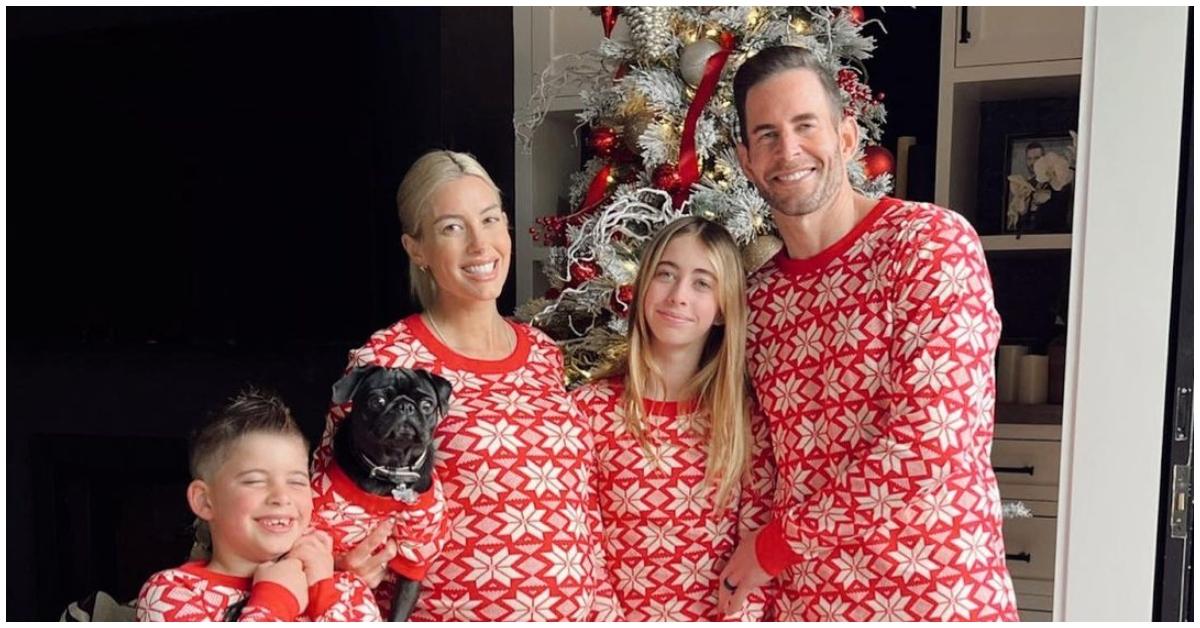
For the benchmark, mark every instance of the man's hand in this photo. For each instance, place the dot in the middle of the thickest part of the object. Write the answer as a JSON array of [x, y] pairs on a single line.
[[742, 575], [369, 559], [314, 550], [287, 573]]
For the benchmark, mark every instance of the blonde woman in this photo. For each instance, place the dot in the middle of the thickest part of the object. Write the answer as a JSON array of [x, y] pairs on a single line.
[[513, 455], [674, 435]]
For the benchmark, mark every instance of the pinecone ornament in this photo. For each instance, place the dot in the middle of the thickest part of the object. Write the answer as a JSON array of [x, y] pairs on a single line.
[[651, 33]]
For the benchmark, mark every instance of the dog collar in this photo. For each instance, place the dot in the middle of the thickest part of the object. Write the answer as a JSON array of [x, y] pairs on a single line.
[[402, 477]]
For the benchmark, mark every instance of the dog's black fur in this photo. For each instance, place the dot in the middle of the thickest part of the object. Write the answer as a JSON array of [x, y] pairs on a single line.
[[391, 425]]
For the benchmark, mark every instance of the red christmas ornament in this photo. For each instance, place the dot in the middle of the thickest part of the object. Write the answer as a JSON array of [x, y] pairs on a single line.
[[878, 160], [608, 15], [583, 272], [553, 293], [603, 141], [666, 177], [622, 298], [857, 14]]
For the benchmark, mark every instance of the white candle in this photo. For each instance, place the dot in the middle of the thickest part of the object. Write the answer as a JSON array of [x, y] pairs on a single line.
[[1033, 379], [1008, 359]]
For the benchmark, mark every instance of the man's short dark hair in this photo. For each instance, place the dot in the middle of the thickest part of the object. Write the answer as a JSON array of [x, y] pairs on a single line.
[[1032, 145], [250, 411], [771, 61]]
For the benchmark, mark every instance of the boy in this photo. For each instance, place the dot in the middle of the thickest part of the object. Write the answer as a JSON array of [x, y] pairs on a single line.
[[249, 466]]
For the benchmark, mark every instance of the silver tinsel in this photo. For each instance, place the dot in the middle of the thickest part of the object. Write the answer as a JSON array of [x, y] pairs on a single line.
[[1015, 510]]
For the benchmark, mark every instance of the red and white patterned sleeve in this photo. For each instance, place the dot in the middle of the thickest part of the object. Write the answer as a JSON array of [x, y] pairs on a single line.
[[344, 597], [940, 375], [754, 508], [174, 595], [270, 602], [606, 606]]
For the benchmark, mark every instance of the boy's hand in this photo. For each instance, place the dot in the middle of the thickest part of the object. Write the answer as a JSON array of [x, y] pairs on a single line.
[[314, 550], [287, 573], [369, 559]]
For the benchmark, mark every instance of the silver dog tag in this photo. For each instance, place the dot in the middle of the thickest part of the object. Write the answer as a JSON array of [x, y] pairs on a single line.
[[405, 494]]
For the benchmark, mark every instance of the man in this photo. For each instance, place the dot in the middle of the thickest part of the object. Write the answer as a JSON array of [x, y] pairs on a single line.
[[1033, 152], [872, 336]]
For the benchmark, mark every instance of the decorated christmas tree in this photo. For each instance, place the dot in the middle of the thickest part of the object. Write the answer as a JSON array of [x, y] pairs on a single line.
[[661, 129]]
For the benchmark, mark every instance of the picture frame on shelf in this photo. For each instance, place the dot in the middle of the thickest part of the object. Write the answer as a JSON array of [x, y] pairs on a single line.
[[1041, 184], [1026, 166]]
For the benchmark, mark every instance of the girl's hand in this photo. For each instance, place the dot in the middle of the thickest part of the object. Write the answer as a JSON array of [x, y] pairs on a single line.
[[742, 575]]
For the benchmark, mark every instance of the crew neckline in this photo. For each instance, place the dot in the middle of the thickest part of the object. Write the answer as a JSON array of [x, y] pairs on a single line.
[[200, 569], [835, 250], [670, 408], [657, 407], [454, 359]]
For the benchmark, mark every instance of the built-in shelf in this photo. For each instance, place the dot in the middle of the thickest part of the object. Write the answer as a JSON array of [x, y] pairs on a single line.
[[1027, 242], [1029, 414], [1016, 71]]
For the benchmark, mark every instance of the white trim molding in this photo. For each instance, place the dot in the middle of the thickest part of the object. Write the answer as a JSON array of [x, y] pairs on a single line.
[[1127, 180]]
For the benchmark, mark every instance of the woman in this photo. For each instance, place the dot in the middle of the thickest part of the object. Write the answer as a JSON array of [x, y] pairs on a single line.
[[513, 457]]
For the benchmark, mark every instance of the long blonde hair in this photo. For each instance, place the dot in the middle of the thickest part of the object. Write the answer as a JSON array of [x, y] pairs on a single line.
[[720, 384], [412, 200]]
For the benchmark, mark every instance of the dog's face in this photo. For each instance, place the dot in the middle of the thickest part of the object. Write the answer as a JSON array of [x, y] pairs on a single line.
[[395, 411]]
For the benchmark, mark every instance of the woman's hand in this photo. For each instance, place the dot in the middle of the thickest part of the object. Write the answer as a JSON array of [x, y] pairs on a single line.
[[369, 560]]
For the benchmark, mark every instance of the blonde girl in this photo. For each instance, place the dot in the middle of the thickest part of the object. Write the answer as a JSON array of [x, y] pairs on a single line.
[[682, 468]]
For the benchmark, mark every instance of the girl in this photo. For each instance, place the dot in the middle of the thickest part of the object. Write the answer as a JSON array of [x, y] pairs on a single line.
[[674, 441]]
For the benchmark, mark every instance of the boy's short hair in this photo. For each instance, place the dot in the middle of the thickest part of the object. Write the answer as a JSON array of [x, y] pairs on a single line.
[[250, 411]]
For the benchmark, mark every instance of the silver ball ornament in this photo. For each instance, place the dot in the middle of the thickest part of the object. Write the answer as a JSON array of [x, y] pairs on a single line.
[[694, 58]]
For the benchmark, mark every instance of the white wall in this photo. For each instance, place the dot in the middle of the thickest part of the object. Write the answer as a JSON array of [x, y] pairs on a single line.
[[1128, 172]]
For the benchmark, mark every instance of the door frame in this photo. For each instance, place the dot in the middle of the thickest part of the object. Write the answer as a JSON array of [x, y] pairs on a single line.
[[1121, 282]]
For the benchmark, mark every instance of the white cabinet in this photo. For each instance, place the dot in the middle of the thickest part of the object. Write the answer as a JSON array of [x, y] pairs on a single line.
[[1026, 461], [999, 35]]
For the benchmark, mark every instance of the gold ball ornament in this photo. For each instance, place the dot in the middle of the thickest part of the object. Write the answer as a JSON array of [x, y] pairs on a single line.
[[694, 58], [760, 251], [612, 358], [634, 127]]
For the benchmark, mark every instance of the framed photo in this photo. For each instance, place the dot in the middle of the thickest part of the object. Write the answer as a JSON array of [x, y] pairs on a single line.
[[1041, 184], [1026, 166]]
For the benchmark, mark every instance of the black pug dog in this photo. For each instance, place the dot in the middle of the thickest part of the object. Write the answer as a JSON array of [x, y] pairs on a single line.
[[385, 445]]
